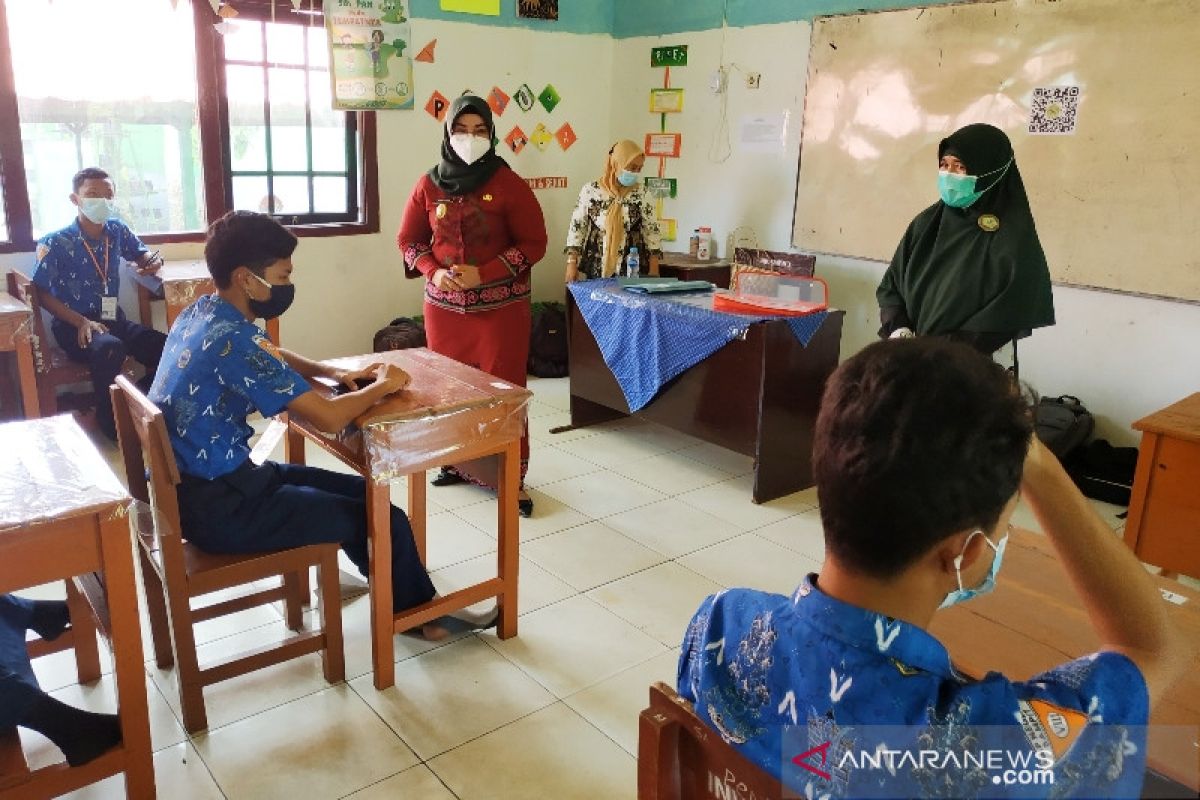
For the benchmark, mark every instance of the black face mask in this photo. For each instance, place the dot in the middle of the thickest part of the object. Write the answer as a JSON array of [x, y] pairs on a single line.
[[280, 300]]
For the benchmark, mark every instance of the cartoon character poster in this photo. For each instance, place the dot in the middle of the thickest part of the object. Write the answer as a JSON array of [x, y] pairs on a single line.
[[369, 53]]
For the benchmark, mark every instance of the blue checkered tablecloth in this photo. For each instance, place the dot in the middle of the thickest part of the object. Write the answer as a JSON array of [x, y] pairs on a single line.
[[648, 340]]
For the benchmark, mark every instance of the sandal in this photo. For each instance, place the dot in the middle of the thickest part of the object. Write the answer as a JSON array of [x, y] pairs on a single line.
[[448, 477], [525, 505]]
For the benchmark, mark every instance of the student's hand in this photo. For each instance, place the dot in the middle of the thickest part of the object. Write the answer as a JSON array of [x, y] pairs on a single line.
[[444, 280], [1039, 463], [348, 377], [85, 332], [151, 265], [391, 377], [467, 276]]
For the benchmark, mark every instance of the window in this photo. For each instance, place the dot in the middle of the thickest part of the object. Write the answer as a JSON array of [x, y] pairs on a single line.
[[191, 118]]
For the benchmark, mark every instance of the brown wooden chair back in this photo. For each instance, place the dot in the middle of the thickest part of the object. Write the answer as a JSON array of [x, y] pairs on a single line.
[[175, 571], [680, 757]]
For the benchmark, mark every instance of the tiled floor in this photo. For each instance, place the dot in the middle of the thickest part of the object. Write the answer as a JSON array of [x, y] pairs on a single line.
[[634, 525]]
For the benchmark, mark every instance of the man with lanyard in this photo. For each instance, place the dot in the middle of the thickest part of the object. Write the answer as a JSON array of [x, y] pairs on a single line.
[[78, 272]]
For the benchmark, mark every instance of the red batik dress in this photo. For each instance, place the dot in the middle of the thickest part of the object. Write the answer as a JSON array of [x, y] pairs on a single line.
[[500, 229]]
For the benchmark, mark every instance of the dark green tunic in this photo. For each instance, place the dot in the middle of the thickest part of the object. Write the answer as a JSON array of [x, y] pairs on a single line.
[[978, 273]]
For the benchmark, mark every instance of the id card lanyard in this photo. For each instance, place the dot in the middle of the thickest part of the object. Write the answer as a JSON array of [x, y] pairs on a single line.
[[108, 303]]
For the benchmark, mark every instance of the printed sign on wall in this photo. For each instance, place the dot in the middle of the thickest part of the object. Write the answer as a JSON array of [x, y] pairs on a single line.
[[369, 61]]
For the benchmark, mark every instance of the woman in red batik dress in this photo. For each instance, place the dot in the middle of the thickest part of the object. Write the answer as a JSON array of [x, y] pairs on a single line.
[[473, 230]]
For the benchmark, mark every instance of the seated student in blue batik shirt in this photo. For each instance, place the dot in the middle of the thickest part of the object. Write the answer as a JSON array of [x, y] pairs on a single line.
[[218, 368], [79, 272], [921, 447]]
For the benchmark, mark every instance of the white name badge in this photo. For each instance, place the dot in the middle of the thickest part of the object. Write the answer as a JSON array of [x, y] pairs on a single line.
[[108, 307]]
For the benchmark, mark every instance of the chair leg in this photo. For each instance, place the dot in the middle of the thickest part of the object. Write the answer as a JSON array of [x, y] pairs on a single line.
[[305, 588], [187, 665], [83, 629], [333, 656], [156, 605], [293, 612]]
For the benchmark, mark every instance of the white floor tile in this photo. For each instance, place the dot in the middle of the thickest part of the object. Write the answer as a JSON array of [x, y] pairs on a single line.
[[418, 783], [659, 601], [601, 494], [671, 473], [802, 533], [179, 774], [621, 447], [753, 562], [570, 645], [551, 463], [672, 528], [719, 457], [450, 540], [535, 586], [549, 516], [730, 500], [589, 555], [554, 753], [613, 705], [326, 745], [452, 695]]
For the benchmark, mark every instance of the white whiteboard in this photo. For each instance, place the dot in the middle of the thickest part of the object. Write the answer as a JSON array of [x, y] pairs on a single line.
[[1117, 203]]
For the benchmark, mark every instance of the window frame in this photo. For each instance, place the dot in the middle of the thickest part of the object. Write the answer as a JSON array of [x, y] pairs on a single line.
[[215, 145]]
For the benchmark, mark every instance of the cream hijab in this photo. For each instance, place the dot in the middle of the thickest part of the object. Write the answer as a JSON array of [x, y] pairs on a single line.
[[619, 158]]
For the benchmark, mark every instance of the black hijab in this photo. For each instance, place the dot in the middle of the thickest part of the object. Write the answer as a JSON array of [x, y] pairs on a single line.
[[453, 175], [979, 269]]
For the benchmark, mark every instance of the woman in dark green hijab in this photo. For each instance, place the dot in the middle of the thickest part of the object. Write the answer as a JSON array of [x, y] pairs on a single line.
[[970, 267]]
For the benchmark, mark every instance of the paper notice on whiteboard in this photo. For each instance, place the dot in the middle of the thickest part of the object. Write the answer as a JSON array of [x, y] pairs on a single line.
[[763, 133]]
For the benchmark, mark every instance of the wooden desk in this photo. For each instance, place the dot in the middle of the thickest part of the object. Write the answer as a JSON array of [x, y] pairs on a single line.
[[1164, 510], [689, 268], [15, 331], [757, 396], [179, 284], [1034, 620], [449, 413], [63, 514]]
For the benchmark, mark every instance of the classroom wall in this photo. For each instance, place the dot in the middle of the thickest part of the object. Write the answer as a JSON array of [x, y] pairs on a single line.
[[1124, 356], [348, 287]]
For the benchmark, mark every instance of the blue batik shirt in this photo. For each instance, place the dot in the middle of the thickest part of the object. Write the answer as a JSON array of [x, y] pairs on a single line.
[[66, 269], [798, 683], [217, 368]]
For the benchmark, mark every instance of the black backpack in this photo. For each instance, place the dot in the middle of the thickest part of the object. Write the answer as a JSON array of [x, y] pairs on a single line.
[[400, 334], [548, 341], [1104, 472], [1063, 424]]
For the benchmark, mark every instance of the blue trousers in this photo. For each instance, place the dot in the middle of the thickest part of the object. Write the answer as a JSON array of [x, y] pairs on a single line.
[[18, 686], [105, 354], [277, 506]]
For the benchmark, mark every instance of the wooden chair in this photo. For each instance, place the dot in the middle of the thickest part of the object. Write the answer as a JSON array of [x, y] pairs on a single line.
[[174, 571], [53, 370], [16, 779], [680, 757]]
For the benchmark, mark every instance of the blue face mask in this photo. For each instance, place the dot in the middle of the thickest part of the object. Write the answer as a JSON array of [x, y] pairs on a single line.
[[960, 594], [958, 191], [627, 178]]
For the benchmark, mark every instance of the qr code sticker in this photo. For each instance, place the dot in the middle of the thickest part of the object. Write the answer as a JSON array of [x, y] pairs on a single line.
[[1054, 110]]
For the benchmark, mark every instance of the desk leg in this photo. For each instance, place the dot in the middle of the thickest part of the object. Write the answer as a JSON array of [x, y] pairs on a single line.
[[144, 306], [379, 534], [27, 374], [508, 536], [417, 510], [83, 633], [130, 673]]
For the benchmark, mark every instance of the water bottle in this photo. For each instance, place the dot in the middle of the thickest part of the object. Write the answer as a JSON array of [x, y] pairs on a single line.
[[633, 266]]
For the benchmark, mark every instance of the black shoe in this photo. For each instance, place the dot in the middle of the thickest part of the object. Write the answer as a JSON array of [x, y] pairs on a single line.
[[525, 507], [448, 477]]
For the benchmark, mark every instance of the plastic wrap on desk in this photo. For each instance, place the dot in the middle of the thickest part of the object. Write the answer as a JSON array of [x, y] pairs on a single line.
[[49, 469], [399, 446], [16, 322], [182, 293]]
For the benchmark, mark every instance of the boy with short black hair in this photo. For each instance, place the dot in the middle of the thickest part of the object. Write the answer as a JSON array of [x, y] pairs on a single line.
[[79, 274], [921, 446]]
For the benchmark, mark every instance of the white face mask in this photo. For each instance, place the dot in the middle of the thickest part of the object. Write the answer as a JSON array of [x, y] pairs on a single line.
[[468, 147], [98, 209]]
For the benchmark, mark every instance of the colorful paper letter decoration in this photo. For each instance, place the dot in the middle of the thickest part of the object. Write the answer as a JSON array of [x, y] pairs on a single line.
[[666, 228], [541, 137], [524, 97], [426, 54], [566, 136], [666, 145], [437, 106], [660, 187], [498, 100], [549, 98], [516, 139], [666, 101]]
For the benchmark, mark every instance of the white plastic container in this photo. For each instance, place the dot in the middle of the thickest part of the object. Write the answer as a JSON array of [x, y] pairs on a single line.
[[704, 248]]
